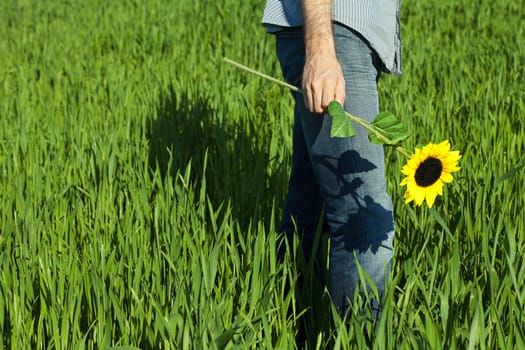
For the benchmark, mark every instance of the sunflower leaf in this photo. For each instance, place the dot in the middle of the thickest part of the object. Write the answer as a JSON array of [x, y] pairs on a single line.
[[341, 125], [389, 126]]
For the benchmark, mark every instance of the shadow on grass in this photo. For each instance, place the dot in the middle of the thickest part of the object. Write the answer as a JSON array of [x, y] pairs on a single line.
[[225, 152], [232, 158]]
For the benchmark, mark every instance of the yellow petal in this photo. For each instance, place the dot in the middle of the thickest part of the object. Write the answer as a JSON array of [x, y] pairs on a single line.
[[446, 177], [431, 197]]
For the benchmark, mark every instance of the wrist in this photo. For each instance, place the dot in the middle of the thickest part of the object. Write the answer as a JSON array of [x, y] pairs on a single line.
[[320, 46]]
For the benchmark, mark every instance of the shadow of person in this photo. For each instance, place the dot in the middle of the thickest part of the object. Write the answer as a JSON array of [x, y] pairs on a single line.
[[177, 136], [222, 152]]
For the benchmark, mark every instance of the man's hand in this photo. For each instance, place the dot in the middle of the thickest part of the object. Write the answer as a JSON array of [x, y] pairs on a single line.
[[323, 82], [323, 79]]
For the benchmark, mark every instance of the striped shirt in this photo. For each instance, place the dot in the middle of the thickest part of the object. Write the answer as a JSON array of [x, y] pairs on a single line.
[[376, 20]]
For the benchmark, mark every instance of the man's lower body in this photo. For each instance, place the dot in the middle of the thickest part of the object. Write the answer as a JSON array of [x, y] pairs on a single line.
[[342, 179]]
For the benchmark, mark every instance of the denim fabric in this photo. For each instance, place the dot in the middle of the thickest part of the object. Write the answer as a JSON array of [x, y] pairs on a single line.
[[346, 176]]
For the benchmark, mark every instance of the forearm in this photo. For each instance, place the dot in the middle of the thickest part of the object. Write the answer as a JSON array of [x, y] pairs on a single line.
[[317, 16], [323, 79]]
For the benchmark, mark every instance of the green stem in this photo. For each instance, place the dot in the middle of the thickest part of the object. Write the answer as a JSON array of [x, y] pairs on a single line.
[[358, 120], [380, 136], [259, 74], [367, 126], [403, 151]]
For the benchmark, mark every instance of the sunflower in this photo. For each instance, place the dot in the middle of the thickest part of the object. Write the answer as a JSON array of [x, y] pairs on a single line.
[[427, 170]]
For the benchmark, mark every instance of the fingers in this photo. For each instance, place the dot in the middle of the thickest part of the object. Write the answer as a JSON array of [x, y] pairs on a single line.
[[317, 97], [322, 85], [340, 92], [337, 93]]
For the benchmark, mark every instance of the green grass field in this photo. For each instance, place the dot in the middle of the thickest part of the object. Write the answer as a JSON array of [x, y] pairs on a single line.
[[142, 180]]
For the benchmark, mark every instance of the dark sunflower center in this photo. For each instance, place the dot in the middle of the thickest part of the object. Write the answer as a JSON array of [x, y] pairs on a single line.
[[428, 172]]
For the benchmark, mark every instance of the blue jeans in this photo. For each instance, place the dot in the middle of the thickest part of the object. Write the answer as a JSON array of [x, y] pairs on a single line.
[[346, 176]]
